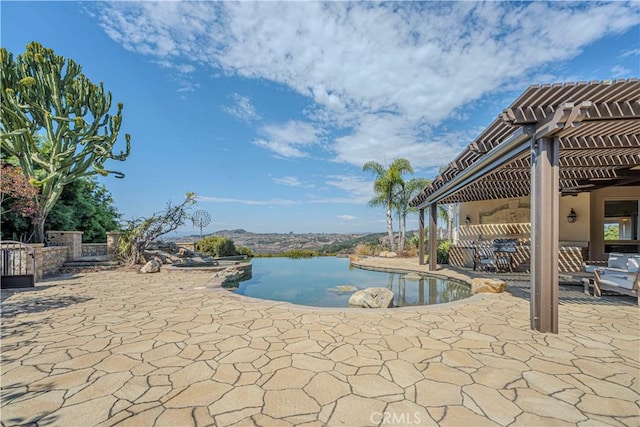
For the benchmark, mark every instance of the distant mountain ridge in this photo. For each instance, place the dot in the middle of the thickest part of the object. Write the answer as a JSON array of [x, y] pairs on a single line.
[[272, 243]]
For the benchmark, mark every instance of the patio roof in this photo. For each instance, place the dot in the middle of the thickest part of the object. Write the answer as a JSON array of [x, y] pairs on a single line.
[[595, 124]]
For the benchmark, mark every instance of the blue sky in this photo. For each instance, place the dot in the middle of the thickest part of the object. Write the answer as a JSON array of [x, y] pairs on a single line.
[[269, 110]]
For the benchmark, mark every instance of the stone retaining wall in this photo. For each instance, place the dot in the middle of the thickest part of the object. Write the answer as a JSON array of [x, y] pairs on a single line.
[[94, 249], [49, 260]]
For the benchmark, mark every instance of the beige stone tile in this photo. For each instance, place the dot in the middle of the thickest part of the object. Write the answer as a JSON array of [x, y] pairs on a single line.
[[198, 394], [105, 385], [285, 403], [241, 355], [30, 407], [326, 388], [368, 410], [444, 373], [91, 412], [406, 413], [238, 398], [546, 406], [143, 418], [116, 363], [226, 373], [175, 417], [492, 403], [599, 405], [433, 393], [461, 416], [314, 363], [286, 378], [606, 388], [62, 381], [191, 373], [528, 420]]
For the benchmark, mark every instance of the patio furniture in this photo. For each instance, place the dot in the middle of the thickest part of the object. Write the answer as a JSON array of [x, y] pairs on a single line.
[[498, 256], [614, 281]]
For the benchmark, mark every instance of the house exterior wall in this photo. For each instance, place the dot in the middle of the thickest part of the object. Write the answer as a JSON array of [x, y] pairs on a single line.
[[598, 198], [510, 218]]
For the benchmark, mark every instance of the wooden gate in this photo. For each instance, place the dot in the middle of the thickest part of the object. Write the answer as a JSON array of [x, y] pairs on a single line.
[[17, 265]]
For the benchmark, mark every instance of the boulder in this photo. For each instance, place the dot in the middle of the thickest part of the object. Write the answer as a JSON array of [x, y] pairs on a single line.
[[391, 255], [228, 275], [384, 254], [152, 266], [486, 285], [372, 298], [185, 253]]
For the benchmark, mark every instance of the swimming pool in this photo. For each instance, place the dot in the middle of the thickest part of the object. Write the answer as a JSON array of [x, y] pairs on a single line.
[[319, 281]]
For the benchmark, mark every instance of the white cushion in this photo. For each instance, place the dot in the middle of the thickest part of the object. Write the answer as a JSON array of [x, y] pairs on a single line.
[[633, 264], [617, 260]]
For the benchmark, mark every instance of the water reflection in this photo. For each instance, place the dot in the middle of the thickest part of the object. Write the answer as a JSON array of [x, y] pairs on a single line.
[[425, 290]]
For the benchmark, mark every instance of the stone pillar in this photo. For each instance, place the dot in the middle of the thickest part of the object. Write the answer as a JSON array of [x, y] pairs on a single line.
[[71, 239], [113, 239], [39, 258]]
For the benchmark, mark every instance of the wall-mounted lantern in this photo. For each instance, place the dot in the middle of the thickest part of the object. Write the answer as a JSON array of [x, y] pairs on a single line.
[[572, 216], [467, 220]]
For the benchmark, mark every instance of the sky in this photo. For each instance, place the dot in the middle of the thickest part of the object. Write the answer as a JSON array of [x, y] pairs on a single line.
[[269, 110]]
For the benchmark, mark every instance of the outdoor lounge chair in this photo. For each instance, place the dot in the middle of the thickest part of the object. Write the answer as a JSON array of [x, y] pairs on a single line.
[[625, 283]]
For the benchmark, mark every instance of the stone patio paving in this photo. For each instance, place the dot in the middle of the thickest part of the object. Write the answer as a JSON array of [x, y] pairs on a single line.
[[120, 348]]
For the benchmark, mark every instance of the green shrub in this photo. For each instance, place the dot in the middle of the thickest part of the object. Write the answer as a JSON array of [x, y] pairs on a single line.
[[443, 252], [243, 250], [216, 246], [299, 253]]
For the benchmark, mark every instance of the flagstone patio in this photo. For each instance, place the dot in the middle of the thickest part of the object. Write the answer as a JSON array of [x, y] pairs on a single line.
[[167, 349]]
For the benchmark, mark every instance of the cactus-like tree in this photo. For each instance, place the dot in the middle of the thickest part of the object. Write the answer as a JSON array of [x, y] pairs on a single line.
[[45, 94]]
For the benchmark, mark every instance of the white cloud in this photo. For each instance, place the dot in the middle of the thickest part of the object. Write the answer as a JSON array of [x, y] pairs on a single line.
[[288, 139], [352, 189], [210, 199], [630, 52], [291, 181], [385, 72], [347, 217], [619, 71], [242, 108]]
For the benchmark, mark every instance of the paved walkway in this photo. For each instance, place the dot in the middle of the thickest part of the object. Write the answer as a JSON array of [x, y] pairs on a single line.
[[166, 349]]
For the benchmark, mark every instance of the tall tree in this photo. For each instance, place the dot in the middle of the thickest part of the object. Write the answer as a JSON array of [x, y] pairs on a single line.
[[86, 206], [406, 193], [17, 200], [387, 184], [44, 92]]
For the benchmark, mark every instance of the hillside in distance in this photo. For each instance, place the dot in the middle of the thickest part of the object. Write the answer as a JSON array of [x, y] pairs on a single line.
[[273, 243]]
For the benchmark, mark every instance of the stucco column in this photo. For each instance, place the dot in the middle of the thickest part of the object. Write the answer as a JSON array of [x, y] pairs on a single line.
[[545, 201], [39, 260], [421, 237], [433, 237]]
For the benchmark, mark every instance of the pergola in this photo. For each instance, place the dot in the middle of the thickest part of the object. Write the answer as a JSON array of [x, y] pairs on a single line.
[[552, 140]]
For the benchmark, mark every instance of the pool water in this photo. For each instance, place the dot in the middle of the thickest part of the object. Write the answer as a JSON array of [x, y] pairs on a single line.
[[319, 281]]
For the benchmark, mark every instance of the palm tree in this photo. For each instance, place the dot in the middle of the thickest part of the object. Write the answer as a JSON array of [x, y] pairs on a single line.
[[407, 192], [386, 186]]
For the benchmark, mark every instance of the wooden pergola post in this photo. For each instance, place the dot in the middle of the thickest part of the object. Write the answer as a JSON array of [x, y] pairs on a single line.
[[421, 234], [433, 237], [545, 200]]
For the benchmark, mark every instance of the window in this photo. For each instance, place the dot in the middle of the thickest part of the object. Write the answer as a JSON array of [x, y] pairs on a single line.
[[621, 225]]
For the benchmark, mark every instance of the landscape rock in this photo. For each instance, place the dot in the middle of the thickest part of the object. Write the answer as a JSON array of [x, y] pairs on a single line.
[[372, 298], [185, 253], [412, 276], [486, 285], [228, 275], [384, 254], [153, 266], [391, 255]]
